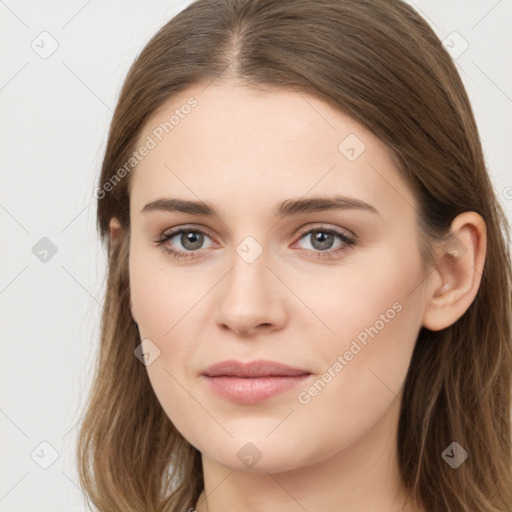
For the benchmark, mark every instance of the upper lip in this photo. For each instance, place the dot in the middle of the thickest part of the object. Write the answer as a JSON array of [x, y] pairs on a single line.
[[259, 368]]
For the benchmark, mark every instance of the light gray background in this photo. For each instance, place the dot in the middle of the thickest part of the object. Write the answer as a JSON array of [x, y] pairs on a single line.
[[55, 114]]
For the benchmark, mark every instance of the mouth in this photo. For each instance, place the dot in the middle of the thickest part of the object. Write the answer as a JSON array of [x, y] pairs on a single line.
[[253, 382]]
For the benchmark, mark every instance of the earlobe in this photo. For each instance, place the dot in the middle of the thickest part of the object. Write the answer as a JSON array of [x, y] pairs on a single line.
[[459, 270]]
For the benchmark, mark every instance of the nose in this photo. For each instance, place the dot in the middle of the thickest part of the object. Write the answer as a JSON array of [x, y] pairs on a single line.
[[252, 298]]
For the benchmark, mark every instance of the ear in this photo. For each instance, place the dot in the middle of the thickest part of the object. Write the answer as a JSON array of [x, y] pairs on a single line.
[[114, 230], [458, 273]]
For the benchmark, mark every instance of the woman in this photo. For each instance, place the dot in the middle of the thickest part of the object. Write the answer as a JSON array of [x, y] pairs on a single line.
[[308, 296]]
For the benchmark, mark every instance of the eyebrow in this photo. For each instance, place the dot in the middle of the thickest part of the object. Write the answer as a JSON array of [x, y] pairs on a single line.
[[284, 209]]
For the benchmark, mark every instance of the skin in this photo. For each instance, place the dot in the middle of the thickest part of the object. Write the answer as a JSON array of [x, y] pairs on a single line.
[[245, 150]]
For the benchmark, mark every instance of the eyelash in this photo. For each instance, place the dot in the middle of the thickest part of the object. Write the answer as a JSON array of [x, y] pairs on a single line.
[[327, 254]]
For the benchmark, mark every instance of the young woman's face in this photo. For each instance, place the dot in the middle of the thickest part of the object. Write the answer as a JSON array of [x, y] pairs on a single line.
[[328, 287]]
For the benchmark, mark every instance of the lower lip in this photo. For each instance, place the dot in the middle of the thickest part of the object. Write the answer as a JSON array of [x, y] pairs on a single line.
[[254, 389]]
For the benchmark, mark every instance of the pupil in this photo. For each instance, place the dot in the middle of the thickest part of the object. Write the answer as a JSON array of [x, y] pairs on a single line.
[[322, 240], [192, 240]]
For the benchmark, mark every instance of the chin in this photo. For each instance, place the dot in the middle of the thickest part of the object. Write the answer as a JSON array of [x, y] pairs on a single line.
[[255, 454]]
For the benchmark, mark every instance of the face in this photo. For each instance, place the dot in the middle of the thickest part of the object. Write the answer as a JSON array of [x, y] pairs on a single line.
[[331, 289]]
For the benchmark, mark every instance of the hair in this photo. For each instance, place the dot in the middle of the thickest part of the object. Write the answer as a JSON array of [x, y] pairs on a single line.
[[379, 62]]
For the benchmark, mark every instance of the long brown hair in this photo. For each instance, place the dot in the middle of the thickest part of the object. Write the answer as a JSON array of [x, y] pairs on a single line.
[[379, 62]]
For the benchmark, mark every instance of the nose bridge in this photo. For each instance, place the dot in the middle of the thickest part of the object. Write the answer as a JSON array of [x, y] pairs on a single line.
[[249, 295]]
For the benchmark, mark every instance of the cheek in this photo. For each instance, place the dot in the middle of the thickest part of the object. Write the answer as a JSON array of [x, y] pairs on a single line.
[[365, 365], [373, 321], [160, 309], [368, 294], [158, 296], [166, 302]]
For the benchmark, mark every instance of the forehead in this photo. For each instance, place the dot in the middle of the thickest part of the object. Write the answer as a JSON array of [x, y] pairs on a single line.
[[269, 122], [224, 138]]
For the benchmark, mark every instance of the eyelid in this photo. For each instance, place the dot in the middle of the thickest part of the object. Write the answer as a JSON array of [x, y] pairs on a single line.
[[322, 226], [187, 227]]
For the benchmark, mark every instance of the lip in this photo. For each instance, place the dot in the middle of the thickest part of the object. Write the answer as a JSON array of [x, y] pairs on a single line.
[[258, 368], [252, 382]]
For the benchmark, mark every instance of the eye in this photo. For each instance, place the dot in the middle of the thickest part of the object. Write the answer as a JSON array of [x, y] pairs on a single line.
[[323, 239], [191, 240]]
